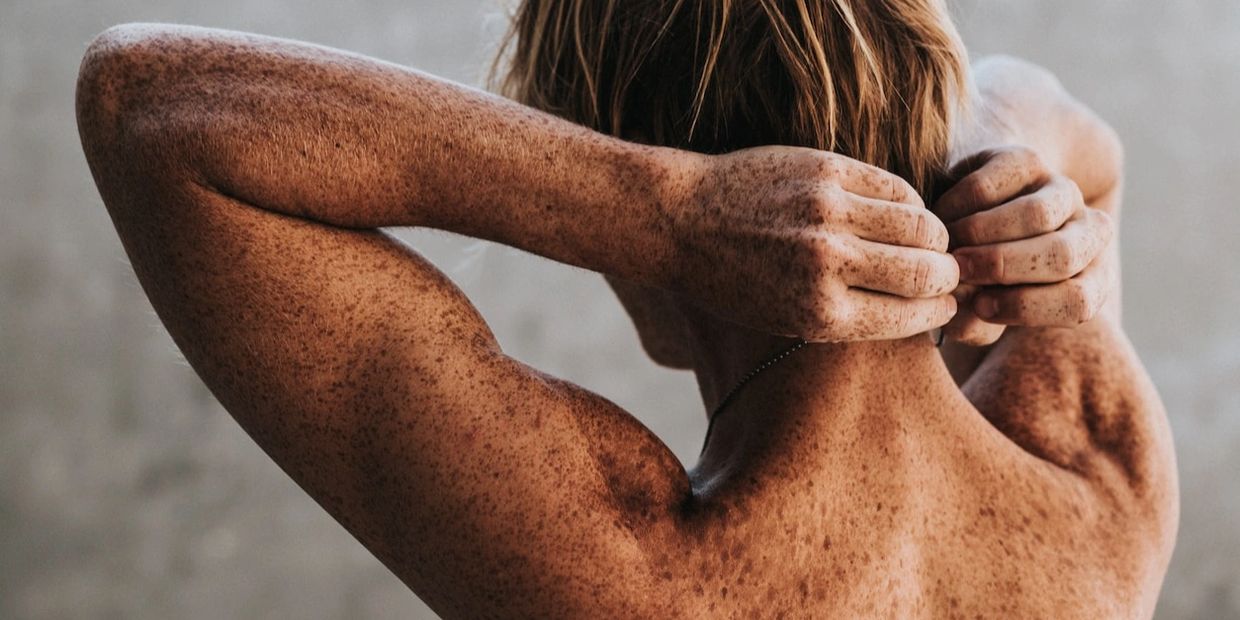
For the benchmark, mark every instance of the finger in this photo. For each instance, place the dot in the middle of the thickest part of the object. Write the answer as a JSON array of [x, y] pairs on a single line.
[[1004, 175], [966, 327], [1062, 304], [878, 316], [907, 272], [863, 179], [972, 331], [1050, 257], [895, 223], [1026, 216]]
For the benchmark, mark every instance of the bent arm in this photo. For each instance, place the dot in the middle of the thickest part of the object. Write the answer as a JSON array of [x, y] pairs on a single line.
[[328, 136], [344, 140], [237, 170], [1020, 103], [1078, 398]]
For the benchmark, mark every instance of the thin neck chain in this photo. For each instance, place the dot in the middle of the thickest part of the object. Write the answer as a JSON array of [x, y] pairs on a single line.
[[727, 398]]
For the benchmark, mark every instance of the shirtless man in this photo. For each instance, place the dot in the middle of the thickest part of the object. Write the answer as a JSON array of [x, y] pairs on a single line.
[[853, 478]]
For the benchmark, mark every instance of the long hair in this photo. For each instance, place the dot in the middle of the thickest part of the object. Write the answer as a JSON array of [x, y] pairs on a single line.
[[876, 80]]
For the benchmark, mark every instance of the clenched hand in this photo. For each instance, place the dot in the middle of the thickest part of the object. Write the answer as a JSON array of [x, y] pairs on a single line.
[[1031, 252], [800, 242]]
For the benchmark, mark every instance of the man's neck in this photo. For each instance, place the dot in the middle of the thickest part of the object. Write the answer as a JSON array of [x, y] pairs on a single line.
[[792, 410]]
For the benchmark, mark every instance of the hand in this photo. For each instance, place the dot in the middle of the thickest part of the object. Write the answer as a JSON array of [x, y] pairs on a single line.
[[806, 243], [1031, 252]]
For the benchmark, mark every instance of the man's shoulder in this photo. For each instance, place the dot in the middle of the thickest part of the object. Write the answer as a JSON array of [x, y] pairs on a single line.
[[1081, 399]]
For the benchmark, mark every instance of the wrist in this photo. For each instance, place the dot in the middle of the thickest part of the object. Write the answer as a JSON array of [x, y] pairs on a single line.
[[668, 188], [603, 204]]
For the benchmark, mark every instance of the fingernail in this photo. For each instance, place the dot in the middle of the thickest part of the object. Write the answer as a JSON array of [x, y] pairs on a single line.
[[965, 266], [985, 307]]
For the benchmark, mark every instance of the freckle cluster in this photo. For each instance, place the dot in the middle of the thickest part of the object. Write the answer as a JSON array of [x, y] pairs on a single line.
[[859, 482]]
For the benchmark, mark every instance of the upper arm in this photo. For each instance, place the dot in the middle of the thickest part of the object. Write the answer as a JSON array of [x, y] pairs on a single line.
[[371, 380], [1076, 397], [1080, 399]]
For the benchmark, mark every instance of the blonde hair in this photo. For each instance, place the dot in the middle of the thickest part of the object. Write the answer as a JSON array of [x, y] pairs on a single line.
[[876, 80]]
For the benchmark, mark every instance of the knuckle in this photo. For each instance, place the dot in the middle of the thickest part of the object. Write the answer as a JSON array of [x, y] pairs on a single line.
[[1078, 303], [828, 166], [833, 312], [1060, 258], [822, 258], [978, 189], [1042, 214], [1074, 192], [958, 329], [1029, 158], [968, 231], [1105, 222], [1079, 257], [825, 203], [827, 249], [1094, 299], [811, 252]]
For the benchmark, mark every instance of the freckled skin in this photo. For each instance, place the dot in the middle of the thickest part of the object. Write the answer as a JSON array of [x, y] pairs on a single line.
[[245, 175]]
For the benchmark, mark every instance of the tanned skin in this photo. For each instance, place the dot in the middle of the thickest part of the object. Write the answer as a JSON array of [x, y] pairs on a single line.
[[246, 175]]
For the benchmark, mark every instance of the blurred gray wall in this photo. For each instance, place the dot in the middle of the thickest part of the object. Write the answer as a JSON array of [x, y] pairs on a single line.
[[125, 491]]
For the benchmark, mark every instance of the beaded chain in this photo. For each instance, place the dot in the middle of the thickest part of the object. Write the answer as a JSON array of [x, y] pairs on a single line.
[[710, 426], [740, 384]]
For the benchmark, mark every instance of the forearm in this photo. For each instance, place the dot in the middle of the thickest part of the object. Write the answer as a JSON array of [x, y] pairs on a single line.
[[346, 140]]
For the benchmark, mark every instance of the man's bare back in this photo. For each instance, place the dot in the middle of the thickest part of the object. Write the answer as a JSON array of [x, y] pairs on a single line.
[[853, 479]]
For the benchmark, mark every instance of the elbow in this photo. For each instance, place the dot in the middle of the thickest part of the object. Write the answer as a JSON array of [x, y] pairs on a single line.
[[123, 106], [101, 83], [118, 75]]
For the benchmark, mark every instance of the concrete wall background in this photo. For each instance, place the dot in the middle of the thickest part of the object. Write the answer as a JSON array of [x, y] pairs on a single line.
[[126, 491]]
